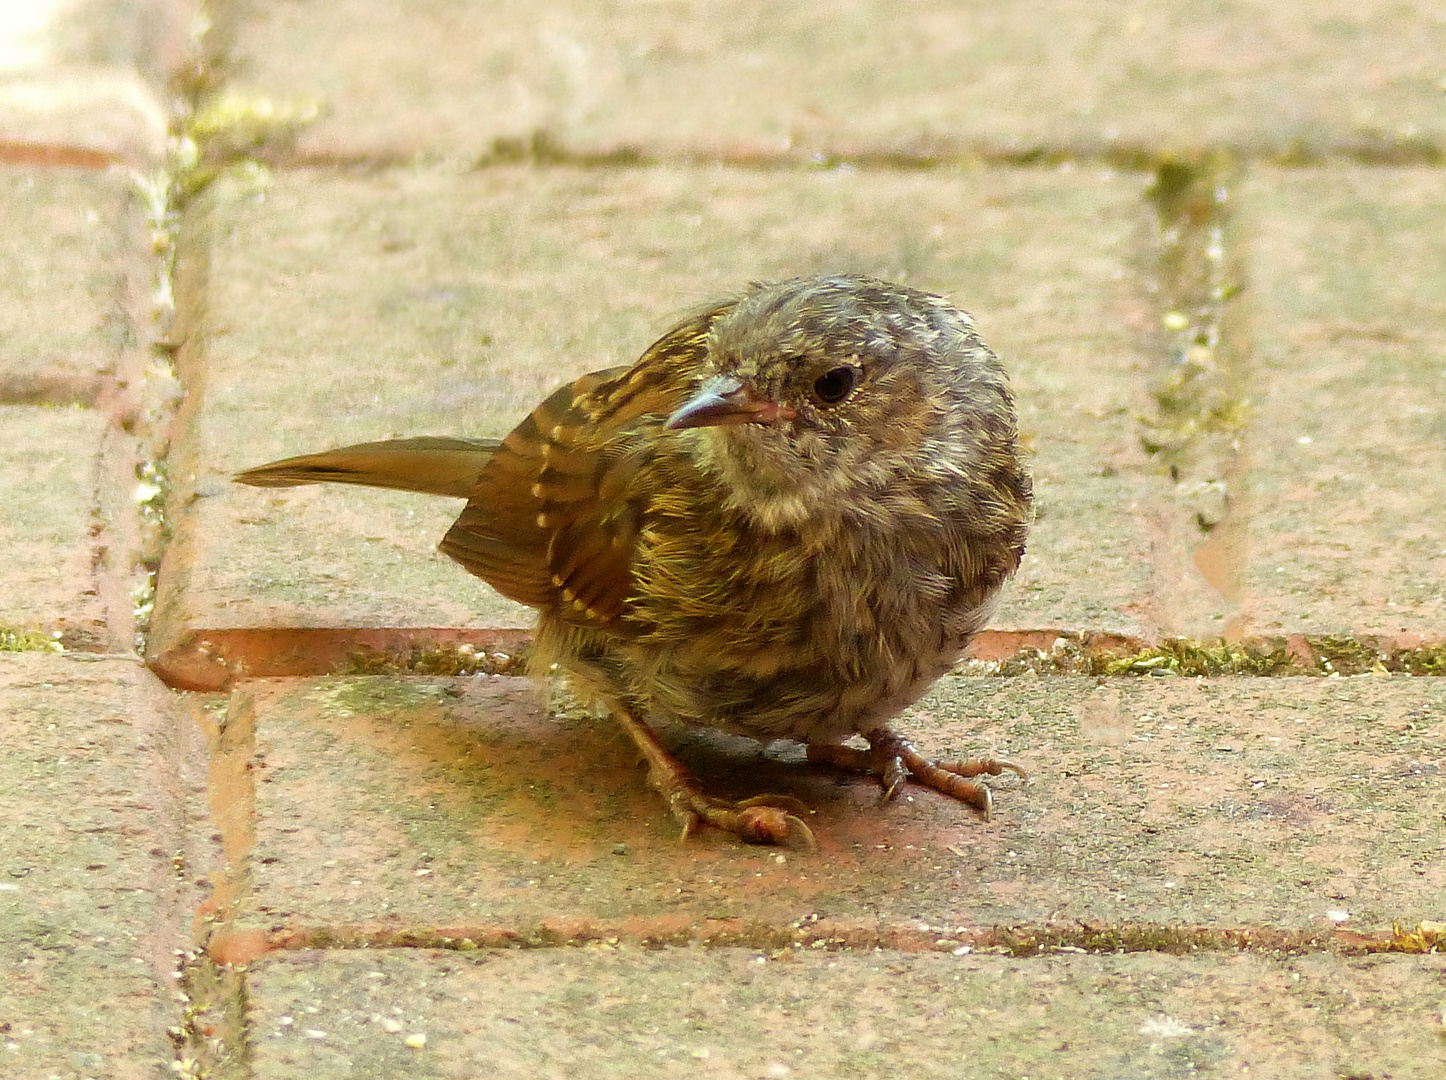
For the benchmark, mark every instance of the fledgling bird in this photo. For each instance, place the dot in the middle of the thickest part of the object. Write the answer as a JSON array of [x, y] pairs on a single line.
[[786, 520]]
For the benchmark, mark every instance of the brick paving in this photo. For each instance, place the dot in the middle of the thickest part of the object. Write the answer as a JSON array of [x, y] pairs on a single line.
[[1209, 245], [93, 825]]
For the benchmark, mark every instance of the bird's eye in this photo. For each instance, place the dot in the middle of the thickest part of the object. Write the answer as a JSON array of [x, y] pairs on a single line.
[[836, 384]]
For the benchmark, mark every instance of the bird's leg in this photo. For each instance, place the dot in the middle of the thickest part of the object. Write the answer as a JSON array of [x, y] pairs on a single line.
[[763, 819], [893, 760]]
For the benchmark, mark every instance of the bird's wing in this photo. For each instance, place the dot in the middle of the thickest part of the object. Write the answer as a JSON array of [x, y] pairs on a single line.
[[556, 513]]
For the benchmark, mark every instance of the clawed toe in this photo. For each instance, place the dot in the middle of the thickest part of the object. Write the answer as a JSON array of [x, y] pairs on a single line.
[[982, 767], [763, 819], [766, 824], [894, 761]]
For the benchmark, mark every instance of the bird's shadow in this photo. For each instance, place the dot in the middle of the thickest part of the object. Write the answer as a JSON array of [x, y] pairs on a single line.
[[512, 774]]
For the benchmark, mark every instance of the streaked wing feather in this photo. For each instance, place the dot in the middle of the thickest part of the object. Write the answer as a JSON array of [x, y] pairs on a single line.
[[550, 522]]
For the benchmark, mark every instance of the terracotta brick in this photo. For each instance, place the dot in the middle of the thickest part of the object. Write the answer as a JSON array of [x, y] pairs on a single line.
[[1346, 449], [77, 266], [83, 84], [446, 79], [344, 308], [64, 256], [733, 1013], [92, 910], [392, 810], [48, 471]]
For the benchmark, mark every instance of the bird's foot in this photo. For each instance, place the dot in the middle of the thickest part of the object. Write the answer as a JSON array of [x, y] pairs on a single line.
[[763, 819], [893, 760]]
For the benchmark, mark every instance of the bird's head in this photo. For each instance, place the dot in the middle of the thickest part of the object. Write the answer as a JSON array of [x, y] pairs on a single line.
[[816, 388]]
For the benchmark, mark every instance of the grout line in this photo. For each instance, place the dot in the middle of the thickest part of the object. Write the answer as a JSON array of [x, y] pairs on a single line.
[[1285, 655], [83, 388], [209, 660], [543, 149], [1193, 434], [55, 155], [813, 933], [211, 1040], [212, 660]]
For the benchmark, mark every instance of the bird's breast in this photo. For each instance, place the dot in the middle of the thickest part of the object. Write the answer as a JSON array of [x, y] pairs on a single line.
[[805, 633]]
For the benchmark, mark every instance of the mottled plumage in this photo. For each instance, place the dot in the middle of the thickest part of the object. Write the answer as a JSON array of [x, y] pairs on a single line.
[[785, 520]]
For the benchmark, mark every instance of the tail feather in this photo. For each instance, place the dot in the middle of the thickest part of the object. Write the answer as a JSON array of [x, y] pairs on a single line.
[[431, 465]]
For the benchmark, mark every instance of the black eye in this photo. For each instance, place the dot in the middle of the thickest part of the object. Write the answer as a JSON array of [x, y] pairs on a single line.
[[836, 384]]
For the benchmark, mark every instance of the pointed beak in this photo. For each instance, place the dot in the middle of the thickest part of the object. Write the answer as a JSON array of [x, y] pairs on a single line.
[[726, 400]]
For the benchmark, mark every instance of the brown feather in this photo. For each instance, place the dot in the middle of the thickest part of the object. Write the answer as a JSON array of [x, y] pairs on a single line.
[[429, 465]]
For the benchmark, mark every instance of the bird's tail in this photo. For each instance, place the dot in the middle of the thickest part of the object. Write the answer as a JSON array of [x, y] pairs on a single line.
[[432, 465]]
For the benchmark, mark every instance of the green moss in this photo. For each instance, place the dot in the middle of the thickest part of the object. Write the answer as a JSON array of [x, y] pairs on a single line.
[[1344, 655], [1024, 941], [1427, 660], [1181, 656], [368, 696], [1197, 391], [1073, 654], [13, 640], [541, 147], [430, 658], [1425, 937]]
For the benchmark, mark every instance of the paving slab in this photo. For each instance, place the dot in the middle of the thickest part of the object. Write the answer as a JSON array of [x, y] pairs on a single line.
[[344, 308], [82, 83], [735, 1013], [64, 256], [447, 79], [75, 272], [411, 810], [49, 462], [92, 909], [1346, 450]]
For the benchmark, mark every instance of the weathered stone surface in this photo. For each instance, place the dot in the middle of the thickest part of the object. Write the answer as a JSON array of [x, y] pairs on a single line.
[[1346, 450], [80, 83], [64, 258], [734, 1013], [388, 807], [351, 308], [48, 470], [449, 78], [75, 261], [92, 912]]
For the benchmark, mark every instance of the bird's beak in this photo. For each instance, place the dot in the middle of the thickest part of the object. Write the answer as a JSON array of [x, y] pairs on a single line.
[[726, 400]]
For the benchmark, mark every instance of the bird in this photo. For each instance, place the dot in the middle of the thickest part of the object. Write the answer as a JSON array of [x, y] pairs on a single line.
[[786, 520]]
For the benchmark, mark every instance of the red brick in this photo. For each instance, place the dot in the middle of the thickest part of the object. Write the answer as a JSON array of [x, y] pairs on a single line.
[[411, 810], [734, 1013], [1346, 450], [93, 912], [344, 308], [447, 79]]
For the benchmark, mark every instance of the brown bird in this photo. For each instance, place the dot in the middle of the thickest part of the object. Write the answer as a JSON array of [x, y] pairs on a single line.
[[785, 521]]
